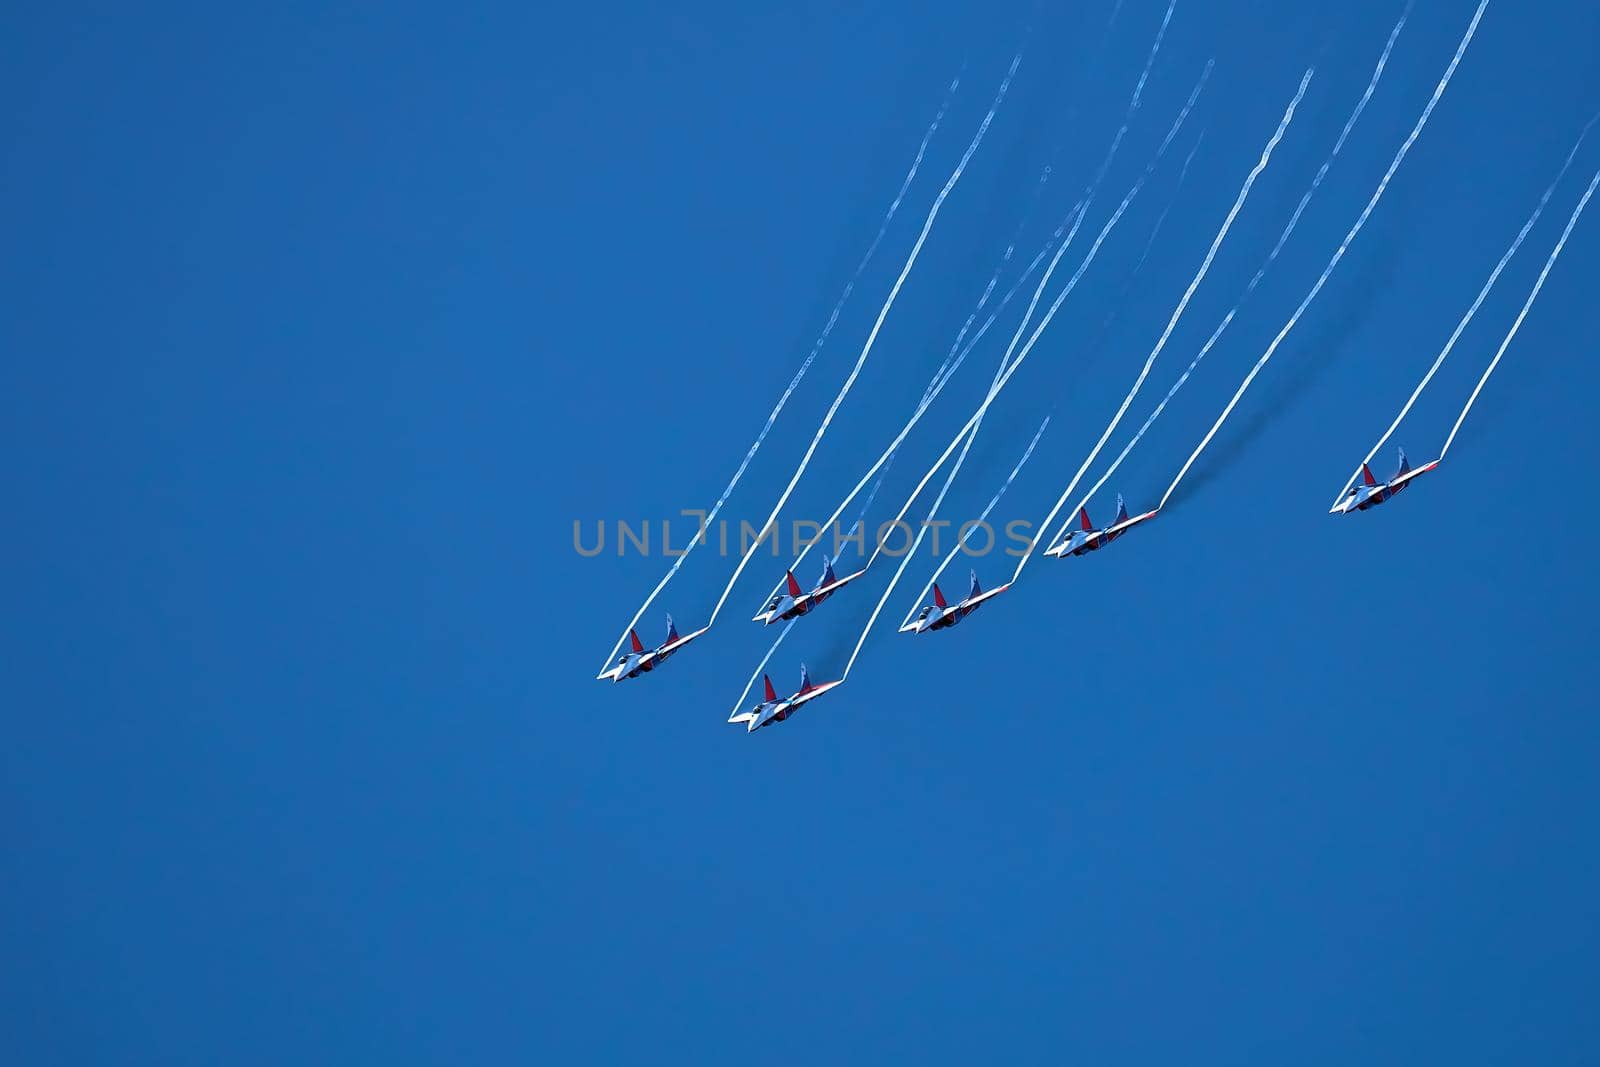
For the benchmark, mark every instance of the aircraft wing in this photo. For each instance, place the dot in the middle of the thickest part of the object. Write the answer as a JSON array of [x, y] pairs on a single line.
[[985, 595], [1412, 473], [1347, 503], [742, 716], [839, 583], [812, 693], [1126, 523], [1070, 543], [614, 674], [673, 646]]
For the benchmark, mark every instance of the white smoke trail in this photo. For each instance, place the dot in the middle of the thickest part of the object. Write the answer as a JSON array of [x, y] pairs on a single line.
[[1088, 75], [794, 383], [1526, 306], [1116, 305], [790, 624], [945, 563], [916, 542], [1327, 271], [927, 396], [983, 517], [883, 312], [1461, 326], [1009, 370], [1111, 152], [912, 551], [1093, 187], [1144, 76], [954, 470], [1177, 312], [739, 704], [1033, 339], [1250, 287], [1161, 219], [941, 377], [1133, 101]]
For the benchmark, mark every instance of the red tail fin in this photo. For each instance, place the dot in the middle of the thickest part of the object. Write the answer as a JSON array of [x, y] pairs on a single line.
[[1366, 475], [794, 586], [638, 646], [938, 597], [772, 694], [1083, 519]]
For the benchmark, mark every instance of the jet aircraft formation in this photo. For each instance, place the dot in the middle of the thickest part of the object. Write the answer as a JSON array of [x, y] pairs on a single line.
[[790, 602]]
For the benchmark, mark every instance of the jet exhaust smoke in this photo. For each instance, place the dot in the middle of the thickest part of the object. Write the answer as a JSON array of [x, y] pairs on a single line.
[[800, 374], [1527, 305], [883, 313], [1477, 302], [1344, 246], [1177, 312]]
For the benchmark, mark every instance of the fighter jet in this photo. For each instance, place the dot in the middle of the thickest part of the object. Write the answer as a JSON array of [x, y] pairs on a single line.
[[640, 660], [940, 615], [773, 710], [794, 602], [1088, 539], [1371, 492]]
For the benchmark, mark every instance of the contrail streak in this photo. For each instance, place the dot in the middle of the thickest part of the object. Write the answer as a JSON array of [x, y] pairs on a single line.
[[1133, 101], [1177, 312], [1116, 304], [1093, 186], [1461, 326], [983, 516], [794, 383], [1327, 272], [933, 509], [1526, 306], [952, 362], [1009, 365], [1033, 339], [866, 349], [912, 551], [737, 704], [1161, 219], [1294, 220], [1138, 90]]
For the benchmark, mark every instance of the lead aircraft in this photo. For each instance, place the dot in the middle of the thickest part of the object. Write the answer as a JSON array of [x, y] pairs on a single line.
[[1371, 492]]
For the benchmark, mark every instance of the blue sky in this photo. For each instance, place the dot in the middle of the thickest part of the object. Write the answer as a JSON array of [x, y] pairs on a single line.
[[325, 323]]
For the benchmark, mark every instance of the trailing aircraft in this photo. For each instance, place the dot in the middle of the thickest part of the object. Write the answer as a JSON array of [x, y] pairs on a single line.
[[640, 660], [941, 615], [772, 709]]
